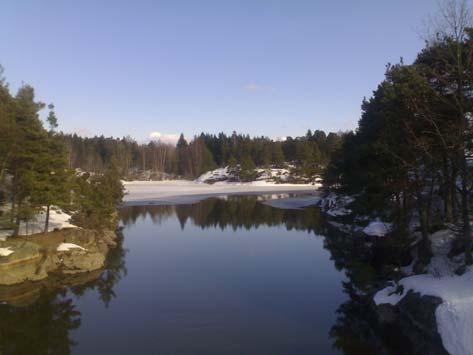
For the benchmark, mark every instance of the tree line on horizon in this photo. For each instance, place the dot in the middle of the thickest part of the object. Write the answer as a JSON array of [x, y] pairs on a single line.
[[308, 154]]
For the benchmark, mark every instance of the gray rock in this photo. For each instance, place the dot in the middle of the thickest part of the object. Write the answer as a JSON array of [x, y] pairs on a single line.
[[82, 261]]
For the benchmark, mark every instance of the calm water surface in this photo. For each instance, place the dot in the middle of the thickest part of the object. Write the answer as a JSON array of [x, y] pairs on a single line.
[[223, 276]]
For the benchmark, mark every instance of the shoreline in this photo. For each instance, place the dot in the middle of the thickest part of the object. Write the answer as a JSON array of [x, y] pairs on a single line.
[[67, 251], [187, 192]]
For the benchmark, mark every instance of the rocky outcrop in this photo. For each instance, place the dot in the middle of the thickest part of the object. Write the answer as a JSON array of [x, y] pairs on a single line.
[[22, 264], [34, 258], [414, 317]]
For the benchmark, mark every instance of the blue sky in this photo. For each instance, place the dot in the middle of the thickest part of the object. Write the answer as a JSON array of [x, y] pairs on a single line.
[[271, 68]]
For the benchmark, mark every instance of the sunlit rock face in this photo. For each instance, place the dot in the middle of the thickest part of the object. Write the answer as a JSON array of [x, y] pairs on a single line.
[[67, 251], [22, 264]]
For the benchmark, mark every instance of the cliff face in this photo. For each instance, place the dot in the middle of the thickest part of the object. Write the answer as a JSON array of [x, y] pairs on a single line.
[[68, 251], [414, 319]]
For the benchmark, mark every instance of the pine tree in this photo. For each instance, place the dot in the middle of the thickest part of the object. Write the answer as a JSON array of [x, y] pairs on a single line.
[[278, 155], [52, 119], [52, 179], [182, 156], [247, 168], [28, 140]]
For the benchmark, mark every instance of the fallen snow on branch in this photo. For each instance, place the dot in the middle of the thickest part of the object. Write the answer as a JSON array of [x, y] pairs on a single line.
[[69, 246]]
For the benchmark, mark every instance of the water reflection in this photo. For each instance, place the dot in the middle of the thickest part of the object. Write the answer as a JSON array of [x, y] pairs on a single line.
[[38, 317], [356, 329], [234, 212], [278, 288]]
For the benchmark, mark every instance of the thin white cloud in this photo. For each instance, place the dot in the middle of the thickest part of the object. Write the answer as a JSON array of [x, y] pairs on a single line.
[[83, 132], [279, 139], [254, 87], [164, 138]]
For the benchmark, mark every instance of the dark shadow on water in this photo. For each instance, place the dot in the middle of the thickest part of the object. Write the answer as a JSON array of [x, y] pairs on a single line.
[[40, 317]]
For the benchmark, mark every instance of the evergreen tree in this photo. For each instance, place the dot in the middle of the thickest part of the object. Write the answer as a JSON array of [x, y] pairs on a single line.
[[278, 155], [52, 119], [52, 180], [247, 168], [182, 156]]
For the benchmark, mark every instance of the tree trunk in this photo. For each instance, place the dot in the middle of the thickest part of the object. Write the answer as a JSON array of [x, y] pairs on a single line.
[[17, 220], [447, 200], [429, 208], [453, 192], [46, 223], [425, 251], [465, 211]]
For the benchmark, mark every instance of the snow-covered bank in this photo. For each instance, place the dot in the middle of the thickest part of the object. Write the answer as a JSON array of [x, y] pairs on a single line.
[[454, 316], [57, 220], [268, 175], [182, 191]]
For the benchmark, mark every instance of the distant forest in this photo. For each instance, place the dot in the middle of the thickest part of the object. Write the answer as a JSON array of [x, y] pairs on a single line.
[[308, 154]]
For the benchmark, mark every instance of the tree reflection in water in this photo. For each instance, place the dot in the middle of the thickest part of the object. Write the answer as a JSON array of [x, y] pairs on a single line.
[[40, 328], [356, 330], [43, 326], [230, 212], [38, 317]]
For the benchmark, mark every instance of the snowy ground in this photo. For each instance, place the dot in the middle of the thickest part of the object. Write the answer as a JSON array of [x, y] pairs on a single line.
[[69, 246], [270, 175], [57, 220], [377, 229], [6, 251], [181, 191], [455, 315]]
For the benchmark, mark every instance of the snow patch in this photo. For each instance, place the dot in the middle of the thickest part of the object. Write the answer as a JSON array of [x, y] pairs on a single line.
[[338, 212], [377, 229], [6, 251], [268, 175], [69, 246], [215, 175], [57, 220], [335, 205], [454, 316]]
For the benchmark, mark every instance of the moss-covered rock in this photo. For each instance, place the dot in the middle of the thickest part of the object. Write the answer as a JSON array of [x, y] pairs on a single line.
[[33, 258]]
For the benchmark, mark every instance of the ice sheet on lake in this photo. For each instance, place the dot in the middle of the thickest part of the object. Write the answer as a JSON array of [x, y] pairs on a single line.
[[182, 191]]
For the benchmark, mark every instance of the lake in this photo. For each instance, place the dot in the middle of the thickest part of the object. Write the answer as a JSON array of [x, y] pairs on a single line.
[[227, 275]]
